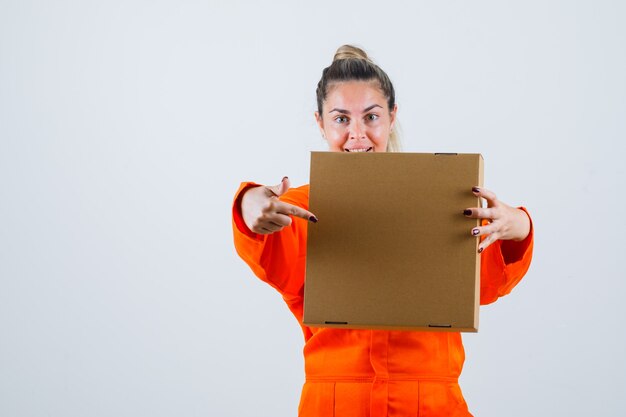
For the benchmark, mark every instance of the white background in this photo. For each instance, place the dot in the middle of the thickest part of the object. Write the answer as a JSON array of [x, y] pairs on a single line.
[[126, 127]]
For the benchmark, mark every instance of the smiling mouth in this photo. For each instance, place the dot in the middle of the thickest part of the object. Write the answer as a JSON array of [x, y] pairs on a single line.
[[370, 149]]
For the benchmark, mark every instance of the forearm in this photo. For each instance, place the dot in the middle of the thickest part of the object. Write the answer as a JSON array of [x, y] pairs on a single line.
[[504, 264], [272, 257]]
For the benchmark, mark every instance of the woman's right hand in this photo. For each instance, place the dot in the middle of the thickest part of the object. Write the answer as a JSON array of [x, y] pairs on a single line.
[[264, 213]]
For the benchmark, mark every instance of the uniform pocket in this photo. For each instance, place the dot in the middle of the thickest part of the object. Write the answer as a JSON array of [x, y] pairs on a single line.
[[352, 399], [439, 399]]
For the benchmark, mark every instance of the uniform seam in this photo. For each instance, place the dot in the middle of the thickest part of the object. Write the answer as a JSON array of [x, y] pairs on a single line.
[[336, 379], [334, 397], [419, 386]]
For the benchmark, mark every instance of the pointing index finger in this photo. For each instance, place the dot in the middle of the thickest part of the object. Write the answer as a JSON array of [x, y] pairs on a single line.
[[291, 210]]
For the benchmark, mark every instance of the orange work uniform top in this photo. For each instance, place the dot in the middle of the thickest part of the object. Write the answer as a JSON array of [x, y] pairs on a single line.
[[373, 373]]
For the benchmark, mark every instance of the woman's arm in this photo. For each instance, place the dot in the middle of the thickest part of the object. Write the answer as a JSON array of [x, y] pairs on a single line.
[[506, 245], [275, 256], [503, 221], [264, 213]]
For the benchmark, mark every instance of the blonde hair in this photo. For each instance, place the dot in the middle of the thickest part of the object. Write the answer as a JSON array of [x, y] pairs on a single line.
[[351, 63]]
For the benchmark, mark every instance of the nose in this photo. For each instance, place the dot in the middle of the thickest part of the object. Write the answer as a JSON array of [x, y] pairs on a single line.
[[357, 130]]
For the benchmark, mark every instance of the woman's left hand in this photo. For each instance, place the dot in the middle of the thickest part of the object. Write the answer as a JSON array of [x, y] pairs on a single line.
[[505, 222]]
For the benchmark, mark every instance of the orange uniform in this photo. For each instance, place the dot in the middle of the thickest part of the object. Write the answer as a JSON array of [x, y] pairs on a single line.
[[375, 373]]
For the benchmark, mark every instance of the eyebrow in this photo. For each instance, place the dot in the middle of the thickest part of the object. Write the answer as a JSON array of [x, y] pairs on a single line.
[[364, 110]]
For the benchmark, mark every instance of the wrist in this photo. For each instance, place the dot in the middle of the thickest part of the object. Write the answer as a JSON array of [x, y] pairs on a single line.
[[524, 225]]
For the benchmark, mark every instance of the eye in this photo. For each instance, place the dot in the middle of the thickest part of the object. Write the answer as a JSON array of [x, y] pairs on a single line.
[[341, 119], [371, 117]]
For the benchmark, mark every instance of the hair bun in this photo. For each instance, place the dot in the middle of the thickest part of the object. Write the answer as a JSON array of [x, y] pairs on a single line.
[[350, 52]]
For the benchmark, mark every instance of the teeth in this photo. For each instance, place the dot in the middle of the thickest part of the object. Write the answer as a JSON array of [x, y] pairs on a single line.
[[359, 150]]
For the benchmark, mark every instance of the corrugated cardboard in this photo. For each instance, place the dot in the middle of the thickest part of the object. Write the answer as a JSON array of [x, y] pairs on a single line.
[[392, 249]]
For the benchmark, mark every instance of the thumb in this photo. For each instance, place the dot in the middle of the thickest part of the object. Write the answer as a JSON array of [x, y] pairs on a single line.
[[281, 188]]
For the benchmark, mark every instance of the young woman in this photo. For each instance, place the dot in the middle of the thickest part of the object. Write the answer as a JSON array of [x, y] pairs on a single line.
[[372, 373]]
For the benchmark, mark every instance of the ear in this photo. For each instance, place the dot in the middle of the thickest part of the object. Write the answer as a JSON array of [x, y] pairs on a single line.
[[320, 123], [392, 116]]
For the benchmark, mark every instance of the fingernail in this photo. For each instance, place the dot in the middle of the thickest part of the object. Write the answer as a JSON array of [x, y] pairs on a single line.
[[476, 189], [480, 250], [285, 178], [467, 212], [313, 219], [475, 232]]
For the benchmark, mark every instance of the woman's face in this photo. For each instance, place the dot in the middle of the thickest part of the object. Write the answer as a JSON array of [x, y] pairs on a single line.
[[356, 117]]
